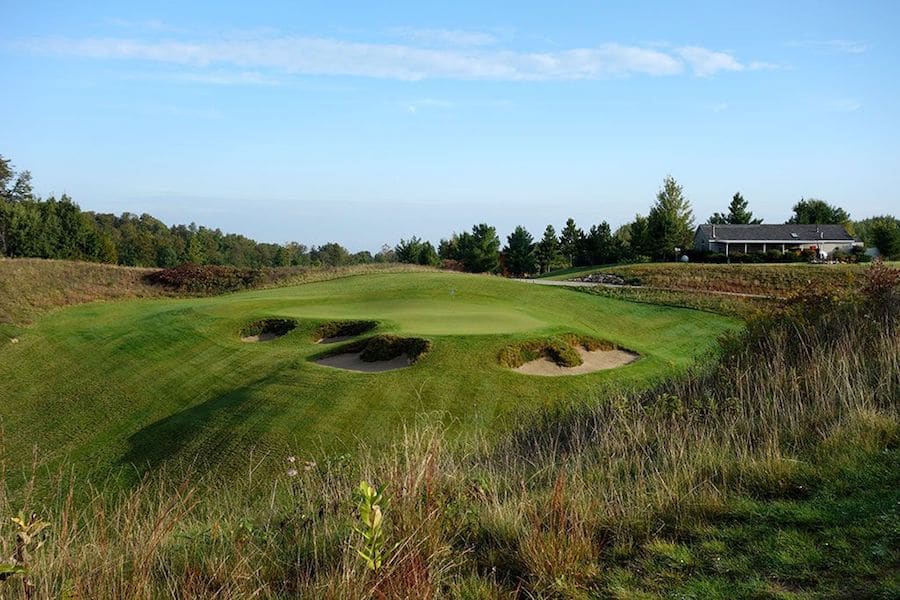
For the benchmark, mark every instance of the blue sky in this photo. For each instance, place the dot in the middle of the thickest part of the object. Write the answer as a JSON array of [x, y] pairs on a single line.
[[367, 122]]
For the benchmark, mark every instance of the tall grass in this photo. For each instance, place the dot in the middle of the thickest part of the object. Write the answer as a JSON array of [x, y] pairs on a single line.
[[597, 499]]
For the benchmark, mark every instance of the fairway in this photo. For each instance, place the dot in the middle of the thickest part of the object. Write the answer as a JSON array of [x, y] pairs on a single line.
[[146, 381]]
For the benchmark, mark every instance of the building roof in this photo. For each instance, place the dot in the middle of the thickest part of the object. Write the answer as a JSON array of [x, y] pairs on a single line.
[[775, 233]]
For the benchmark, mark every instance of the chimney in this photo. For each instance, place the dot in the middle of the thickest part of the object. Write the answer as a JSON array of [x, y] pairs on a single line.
[[714, 231]]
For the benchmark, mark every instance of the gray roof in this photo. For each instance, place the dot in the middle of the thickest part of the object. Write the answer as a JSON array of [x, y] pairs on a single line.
[[772, 233]]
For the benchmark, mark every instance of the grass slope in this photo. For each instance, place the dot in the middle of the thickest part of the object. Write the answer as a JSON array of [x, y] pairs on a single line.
[[765, 279], [149, 380]]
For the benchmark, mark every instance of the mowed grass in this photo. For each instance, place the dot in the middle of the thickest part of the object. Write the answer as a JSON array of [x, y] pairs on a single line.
[[147, 381]]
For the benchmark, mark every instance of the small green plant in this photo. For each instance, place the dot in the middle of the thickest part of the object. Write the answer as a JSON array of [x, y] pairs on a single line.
[[371, 516], [28, 530]]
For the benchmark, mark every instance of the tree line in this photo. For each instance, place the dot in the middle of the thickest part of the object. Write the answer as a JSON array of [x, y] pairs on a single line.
[[58, 228]]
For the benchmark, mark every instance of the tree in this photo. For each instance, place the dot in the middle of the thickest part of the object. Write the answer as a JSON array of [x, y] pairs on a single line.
[[886, 237], [331, 254], [519, 254], [600, 247], [813, 211], [670, 223], [547, 251], [737, 213], [639, 237], [480, 250], [569, 240]]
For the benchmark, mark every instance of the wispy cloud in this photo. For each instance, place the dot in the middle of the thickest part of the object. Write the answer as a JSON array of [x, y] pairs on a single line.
[[718, 107], [326, 56], [445, 37], [426, 103], [844, 105], [832, 46]]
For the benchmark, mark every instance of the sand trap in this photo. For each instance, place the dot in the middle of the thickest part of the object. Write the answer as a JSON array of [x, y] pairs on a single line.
[[352, 362], [598, 360], [262, 337]]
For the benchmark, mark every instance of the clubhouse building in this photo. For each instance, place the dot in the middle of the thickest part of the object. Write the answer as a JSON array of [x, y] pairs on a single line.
[[824, 239]]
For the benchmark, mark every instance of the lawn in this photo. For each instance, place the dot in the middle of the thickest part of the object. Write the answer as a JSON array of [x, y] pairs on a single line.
[[148, 380]]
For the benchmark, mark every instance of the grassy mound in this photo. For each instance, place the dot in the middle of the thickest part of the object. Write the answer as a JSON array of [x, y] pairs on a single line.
[[560, 349], [176, 385], [269, 327], [385, 347], [338, 329]]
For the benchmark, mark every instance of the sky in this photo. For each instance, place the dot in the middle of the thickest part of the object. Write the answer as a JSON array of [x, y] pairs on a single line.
[[368, 122]]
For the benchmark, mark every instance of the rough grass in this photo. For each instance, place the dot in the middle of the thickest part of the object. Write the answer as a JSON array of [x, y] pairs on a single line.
[[779, 280], [771, 472], [560, 349], [30, 287]]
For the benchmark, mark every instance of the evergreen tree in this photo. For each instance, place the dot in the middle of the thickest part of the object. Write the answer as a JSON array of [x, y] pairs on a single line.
[[886, 237], [547, 252], [480, 250], [519, 254], [569, 241], [737, 213], [670, 223], [639, 237]]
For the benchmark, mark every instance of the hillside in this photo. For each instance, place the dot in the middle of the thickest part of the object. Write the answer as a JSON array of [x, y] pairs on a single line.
[[173, 380]]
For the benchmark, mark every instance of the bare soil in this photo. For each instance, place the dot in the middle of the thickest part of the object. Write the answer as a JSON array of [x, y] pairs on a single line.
[[353, 362], [597, 360]]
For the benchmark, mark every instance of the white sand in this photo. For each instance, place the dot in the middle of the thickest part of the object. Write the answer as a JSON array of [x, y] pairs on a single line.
[[597, 360], [352, 362]]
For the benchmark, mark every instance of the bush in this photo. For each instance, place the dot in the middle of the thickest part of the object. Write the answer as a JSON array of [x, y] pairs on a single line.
[[277, 327], [560, 349], [334, 329], [385, 347], [205, 279]]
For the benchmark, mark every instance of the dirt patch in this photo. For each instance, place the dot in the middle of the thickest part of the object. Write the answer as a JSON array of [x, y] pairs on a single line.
[[266, 330], [354, 362], [591, 362]]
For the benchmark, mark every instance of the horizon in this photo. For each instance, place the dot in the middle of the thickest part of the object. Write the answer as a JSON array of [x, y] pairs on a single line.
[[365, 126]]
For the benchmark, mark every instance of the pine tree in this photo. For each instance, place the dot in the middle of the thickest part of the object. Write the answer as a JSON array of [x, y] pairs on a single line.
[[569, 241], [547, 252], [519, 253], [670, 223], [737, 213]]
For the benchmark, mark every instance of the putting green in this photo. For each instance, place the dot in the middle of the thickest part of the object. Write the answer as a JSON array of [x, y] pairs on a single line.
[[148, 381]]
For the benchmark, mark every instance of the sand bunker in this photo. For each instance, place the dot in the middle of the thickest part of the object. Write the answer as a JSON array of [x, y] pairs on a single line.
[[267, 330], [376, 354], [592, 361], [353, 362]]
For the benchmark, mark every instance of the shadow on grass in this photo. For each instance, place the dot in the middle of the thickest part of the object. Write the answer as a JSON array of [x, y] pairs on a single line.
[[209, 433]]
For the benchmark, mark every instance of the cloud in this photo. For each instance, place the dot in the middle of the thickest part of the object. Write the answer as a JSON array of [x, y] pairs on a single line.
[[418, 105], [846, 105], [326, 56], [718, 107], [449, 37], [832, 46], [705, 62]]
